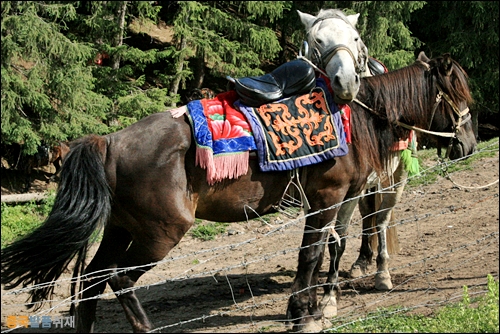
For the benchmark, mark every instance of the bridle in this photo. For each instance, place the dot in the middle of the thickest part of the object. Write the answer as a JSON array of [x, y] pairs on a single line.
[[464, 116], [320, 61]]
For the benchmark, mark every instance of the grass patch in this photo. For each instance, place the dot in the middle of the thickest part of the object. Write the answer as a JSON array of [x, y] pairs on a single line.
[[431, 167], [19, 220], [206, 230], [471, 315]]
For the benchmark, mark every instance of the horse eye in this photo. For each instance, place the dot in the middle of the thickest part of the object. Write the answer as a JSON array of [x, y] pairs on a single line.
[[356, 39], [319, 41]]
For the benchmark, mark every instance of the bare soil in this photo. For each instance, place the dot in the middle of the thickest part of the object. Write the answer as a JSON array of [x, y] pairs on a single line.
[[240, 282]]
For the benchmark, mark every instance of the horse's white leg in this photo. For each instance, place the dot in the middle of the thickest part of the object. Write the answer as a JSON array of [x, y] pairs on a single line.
[[360, 266], [383, 277]]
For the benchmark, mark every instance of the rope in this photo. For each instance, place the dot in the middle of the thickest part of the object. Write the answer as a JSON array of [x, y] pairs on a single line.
[[312, 64], [448, 176]]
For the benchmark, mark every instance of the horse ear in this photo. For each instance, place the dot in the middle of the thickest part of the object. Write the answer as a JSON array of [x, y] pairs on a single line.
[[353, 19], [447, 64], [307, 19], [422, 57]]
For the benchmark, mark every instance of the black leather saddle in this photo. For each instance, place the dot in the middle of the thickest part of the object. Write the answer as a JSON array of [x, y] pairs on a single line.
[[376, 67], [295, 77]]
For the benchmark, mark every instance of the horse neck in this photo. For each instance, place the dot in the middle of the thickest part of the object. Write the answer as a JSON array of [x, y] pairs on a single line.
[[403, 95], [387, 100]]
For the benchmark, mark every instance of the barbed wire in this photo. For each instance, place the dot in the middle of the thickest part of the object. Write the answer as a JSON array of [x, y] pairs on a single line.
[[292, 226]]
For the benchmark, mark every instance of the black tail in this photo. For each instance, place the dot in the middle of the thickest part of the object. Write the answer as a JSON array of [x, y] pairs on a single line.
[[82, 204]]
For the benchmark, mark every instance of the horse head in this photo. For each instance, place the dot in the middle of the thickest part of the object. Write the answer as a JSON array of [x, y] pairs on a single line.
[[451, 115], [337, 49]]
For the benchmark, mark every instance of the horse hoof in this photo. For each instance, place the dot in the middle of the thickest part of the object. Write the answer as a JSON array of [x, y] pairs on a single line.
[[383, 281], [328, 307], [356, 271], [308, 327], [330, 311]]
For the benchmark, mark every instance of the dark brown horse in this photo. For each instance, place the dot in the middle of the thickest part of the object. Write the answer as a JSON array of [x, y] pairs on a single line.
[[142, 186]]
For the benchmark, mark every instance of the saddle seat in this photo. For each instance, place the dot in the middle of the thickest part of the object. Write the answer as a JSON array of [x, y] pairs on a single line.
[[296, 77], [376, 67]]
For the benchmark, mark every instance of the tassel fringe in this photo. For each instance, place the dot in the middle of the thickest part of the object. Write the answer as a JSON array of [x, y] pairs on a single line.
[[222, 166]]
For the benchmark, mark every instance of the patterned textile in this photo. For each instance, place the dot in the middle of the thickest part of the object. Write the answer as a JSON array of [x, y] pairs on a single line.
[[297, 131], [223, 137]]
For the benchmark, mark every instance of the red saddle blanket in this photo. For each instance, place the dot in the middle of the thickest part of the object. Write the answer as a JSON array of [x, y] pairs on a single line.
[[293, 132], [222, 135]]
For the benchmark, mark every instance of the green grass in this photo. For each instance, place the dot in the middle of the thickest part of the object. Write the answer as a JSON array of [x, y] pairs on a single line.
[[206, 230], [471, 315], [19, 220]]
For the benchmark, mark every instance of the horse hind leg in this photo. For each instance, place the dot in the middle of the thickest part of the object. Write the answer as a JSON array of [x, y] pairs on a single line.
[[141, 256], [384, 215], [114, 243], [366, 207]]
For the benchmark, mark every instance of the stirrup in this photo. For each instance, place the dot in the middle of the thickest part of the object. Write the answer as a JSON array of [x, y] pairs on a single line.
[[288, 203]]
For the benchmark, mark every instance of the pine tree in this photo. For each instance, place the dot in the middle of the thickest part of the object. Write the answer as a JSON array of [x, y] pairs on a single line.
[[106, 25], [47, 87], [228, 38], [468, 30]]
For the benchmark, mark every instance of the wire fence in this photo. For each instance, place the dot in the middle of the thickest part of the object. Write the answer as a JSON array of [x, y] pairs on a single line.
[[221, 286]]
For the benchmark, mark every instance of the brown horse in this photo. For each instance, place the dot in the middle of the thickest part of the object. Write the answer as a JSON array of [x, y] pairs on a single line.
[[58, 153], [45, 156], [142, 185]]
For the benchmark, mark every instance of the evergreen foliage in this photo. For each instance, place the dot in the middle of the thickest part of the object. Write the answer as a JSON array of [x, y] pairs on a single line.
[[72, 68], [47, 89], [469, 31]]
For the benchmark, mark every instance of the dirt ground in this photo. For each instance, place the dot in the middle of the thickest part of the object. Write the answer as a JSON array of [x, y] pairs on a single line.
[[240, 282]]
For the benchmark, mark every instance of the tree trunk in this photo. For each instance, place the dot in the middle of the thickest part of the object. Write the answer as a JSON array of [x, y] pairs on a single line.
[[119, 37], [199, 73], [18, 198], [174, 88]]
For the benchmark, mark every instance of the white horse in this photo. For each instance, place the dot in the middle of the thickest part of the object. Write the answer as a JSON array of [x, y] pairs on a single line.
[[337, 50], [333, 27]]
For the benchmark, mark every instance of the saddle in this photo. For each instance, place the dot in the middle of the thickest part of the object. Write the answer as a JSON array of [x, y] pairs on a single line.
[[376, 67], [296, 77]]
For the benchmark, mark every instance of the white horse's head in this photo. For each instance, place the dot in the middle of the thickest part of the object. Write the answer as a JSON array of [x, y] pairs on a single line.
[[336, 48]]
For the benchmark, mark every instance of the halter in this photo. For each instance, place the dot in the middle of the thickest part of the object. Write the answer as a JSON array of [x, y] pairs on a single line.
[[321, 60]]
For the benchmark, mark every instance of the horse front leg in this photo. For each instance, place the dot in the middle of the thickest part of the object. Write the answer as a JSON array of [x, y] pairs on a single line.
[[328, 303], [302, 305]]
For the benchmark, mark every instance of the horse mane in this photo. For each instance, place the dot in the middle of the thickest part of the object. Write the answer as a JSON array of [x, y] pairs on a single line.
[[333, 13], [454, 83]]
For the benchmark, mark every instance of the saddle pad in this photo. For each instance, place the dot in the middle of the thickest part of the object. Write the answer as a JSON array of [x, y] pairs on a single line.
[[223, 136], [297, 131]]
